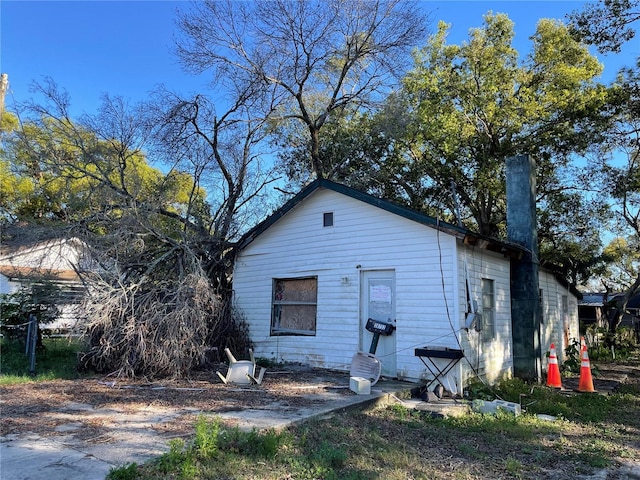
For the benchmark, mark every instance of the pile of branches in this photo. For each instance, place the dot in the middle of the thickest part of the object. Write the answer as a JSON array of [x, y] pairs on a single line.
[[157, 328]]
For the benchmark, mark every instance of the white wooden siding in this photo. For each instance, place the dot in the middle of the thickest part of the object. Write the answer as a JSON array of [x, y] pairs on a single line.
[[552, 329], [429, 268], [363, 237], [494, 359]]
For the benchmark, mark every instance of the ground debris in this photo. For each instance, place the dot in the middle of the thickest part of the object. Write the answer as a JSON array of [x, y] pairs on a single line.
[[33, 406]]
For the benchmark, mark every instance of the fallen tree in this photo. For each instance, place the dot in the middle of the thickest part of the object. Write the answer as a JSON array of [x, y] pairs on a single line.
[[155, 328]]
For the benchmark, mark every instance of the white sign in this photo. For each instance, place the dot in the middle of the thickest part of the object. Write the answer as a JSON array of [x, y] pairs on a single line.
[[380, 293]]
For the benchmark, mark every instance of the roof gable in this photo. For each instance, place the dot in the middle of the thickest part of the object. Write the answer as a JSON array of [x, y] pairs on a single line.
[[56, 259], [467, 236]]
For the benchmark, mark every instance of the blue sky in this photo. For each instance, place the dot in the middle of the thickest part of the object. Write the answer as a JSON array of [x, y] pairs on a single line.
[[125, 47]]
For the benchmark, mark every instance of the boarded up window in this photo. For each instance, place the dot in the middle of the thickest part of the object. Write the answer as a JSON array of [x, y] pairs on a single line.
[[294, 306]]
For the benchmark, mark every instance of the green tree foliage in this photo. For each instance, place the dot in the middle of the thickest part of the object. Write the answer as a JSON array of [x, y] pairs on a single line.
[[606, 23], [462, 111], [65, 171], [624, 264], [13, 188], [474, 104], [38, 299]]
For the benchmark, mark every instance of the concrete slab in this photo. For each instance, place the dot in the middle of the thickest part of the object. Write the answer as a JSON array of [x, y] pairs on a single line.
[[446, 407], [64, 456], [37, 457], [71, 453]]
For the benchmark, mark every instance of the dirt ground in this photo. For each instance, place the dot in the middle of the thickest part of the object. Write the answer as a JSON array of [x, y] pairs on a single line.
[[609, 377], [31, 407]]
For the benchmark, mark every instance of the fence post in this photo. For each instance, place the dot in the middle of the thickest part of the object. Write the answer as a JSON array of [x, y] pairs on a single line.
[[33, 339], [27, 340]]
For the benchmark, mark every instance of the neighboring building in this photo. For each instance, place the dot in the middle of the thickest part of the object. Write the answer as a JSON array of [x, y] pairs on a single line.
[[591, 311], [56, 261], [560, 318], [310, 276]]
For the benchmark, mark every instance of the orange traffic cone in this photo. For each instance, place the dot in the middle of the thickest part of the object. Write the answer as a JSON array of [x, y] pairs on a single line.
[[586, 382], [553, 371]]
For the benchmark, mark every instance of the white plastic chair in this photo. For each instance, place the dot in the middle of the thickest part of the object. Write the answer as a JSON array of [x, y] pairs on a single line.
[[242, 372], [366, 365]]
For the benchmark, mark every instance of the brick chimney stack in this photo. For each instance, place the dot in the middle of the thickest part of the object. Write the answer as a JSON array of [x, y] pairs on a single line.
[[525, 294]]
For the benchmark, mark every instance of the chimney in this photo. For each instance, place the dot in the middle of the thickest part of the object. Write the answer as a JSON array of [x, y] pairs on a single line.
[[525, 295]]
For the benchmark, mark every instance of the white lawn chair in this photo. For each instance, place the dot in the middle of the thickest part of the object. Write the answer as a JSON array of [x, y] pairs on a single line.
[[366, 365], [242, 372]]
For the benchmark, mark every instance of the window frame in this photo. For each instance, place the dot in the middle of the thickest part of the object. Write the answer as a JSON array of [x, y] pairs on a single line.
[[488, 311], [564, 308], [276, 309], [327, 219]]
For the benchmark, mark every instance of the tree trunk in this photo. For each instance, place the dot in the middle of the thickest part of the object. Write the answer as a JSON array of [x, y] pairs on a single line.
[[316, 163], [620, 306]]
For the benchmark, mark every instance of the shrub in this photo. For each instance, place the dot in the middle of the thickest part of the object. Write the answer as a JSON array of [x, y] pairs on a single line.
[[16, 308]]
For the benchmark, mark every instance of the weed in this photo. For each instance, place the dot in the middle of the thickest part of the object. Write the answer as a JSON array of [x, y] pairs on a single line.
[[206, 439], [608, 346], [538, 455], [629, 388], [572, 358], [471, 451], [270, 442], [329, 456], [538, 399], [589, 407], [189, 470], [513, 466], [400, 411], [595, 459], [480, 390], [173, 459], [126, 472], [263, 444]]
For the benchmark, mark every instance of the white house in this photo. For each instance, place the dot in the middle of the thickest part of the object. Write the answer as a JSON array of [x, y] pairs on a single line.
[[57, 261], [310, 276], [560, 322]]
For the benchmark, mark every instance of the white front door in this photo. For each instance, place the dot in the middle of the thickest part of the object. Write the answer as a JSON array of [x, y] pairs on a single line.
[[378, 301]]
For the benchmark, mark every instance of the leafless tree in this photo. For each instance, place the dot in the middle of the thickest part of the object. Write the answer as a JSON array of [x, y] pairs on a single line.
[[163, 237], [623, 181], [221, 149], [315, 57]]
